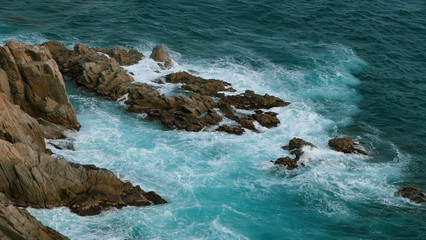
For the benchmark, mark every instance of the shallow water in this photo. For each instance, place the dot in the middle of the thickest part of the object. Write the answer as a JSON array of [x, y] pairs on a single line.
[[349, 69]]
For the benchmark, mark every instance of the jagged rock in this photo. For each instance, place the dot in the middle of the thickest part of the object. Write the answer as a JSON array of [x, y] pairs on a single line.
[[251, 101], [295, 146], [18, 224], [199, 85], [231, 129], [29, 176], [344, 145], [35, 83], [287, 161], [87, 67], [160, 54], [413, 194], [297, 143], [121, 55], [51, 130], [267, 119]]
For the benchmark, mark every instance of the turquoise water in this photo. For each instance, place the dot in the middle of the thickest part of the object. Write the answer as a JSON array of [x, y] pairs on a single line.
[[352, 69]]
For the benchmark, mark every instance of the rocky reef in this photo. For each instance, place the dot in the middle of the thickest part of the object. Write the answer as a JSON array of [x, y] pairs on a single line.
[[203, 104]]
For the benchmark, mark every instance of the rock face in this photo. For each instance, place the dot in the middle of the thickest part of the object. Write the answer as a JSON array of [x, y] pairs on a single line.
[[160, 54], [295, 146], [200, 107], [31, 177], [121, 55], [18, 224], [30, 78], [344, 145], [413, 194]]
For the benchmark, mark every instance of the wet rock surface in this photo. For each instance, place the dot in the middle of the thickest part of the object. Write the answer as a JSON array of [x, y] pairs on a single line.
[[31, 79], [18, 224], [200, 107], [121, 55], [344, 145], [295, 146], [413, 194], [160, 54]]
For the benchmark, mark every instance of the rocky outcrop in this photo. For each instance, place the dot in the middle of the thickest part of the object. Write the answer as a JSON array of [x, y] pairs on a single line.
[[249, 100], [344, 145], [295, 147], [237, 130], [121, 55], [160, 54], [30, 78], [209, 87], [196, 109], [413, 194], [18, 224], [32, 177]]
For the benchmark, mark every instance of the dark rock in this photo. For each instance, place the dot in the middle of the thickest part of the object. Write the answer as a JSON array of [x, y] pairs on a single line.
[[344, 145], [267, 119], [155, 198], [199, 85], [297, 143], [413, 194], [251, 101], [287, 161], [231, 129]]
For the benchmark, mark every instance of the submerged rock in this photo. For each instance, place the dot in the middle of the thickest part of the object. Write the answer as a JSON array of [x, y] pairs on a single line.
[[344, 145], [231, 129], [413, 194], [295, 146]]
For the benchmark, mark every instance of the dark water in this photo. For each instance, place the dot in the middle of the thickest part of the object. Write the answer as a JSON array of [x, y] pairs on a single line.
[[357, 68]]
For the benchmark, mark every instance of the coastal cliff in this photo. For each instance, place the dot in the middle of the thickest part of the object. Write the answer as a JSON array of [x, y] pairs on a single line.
[[32, 90]]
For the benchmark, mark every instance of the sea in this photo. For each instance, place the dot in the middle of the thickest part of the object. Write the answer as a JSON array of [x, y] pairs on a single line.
[[352, 69]]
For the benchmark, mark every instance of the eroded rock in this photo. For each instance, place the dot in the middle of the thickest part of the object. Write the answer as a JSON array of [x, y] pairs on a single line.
[[252, 101], [290, 163], [160, 54], [18, 224], [121, 55], [35, 83], [237, 130]]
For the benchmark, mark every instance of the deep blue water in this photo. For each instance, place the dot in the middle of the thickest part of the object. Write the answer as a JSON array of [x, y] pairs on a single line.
[[350, 68]]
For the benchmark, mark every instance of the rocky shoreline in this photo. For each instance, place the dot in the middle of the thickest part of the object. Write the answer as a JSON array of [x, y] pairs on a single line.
[[34, 106]]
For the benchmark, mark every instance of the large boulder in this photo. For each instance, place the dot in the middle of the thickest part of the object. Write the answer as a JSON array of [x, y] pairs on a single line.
[[35, 83], [249, 100], [160, 54], [18, 224]]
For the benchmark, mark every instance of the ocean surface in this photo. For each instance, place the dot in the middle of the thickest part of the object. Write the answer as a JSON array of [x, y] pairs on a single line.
[[350, 68]]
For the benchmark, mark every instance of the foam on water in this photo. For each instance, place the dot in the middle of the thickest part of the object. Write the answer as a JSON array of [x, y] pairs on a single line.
[[221, 186]]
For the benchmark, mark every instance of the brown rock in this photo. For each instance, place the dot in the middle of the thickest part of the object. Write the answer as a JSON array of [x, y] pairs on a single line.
[[231, 129], [287, 161], [35, 83], [121, 55], [31, 177], [344, 145], [160, 54], [251, 101], [18, 224], [267, 119], [413, 194], [295, 146], [199, 85]]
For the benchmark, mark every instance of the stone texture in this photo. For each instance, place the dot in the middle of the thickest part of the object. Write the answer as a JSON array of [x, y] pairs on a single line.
[[18, 224], [344, 145], [29, 176], [288, 162], [35, 83], [251, 101], [237, 130], [160, 54], [121, 55]]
